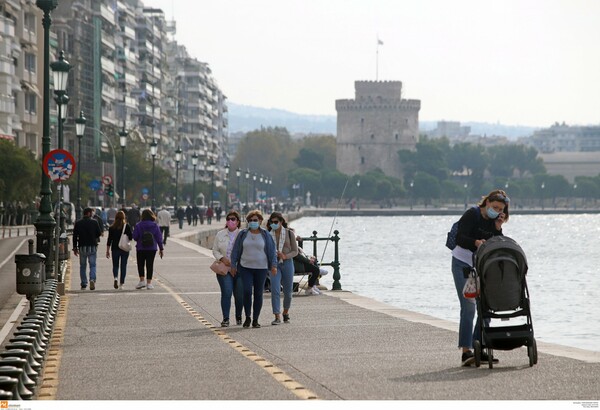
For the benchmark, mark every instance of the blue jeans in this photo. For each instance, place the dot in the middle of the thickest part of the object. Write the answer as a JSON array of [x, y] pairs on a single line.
[[228, 284], [467, 306], [253, 280], [285, 275], [119, 257], [87, 254]]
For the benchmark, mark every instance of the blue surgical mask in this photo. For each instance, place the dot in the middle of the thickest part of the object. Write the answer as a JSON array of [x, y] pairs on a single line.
[[274, 227], [253, 225], [492, 213]]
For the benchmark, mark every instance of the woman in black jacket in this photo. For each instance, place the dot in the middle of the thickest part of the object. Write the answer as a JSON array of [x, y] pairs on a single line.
[[477, 224], [119, 256]]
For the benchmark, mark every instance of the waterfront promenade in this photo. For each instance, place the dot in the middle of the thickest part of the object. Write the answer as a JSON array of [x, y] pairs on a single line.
[[166, 344]]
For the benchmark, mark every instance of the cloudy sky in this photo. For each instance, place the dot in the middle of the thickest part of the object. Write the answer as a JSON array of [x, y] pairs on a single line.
[[516, 62]]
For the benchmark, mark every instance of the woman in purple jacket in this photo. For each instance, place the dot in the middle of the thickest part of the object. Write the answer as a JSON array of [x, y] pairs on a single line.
[[148, 240]]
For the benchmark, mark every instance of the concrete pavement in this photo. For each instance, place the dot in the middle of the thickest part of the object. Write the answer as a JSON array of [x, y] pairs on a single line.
[[166, 343]]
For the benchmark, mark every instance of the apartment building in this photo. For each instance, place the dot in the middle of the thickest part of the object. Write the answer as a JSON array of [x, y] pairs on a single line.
[[128, 75]]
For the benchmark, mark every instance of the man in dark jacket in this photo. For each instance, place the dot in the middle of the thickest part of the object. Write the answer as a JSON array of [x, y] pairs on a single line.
[[86, 234], [133, 215]]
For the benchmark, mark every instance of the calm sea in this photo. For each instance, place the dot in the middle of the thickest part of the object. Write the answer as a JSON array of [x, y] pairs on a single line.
[[402, 261]]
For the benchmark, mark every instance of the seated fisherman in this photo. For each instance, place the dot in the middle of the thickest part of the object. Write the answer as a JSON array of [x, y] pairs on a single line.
[[304, 263]]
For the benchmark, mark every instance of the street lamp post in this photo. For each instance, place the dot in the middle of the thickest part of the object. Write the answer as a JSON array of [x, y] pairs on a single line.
[[123, 143], [466, 194], [357, 193], [211, 168], [177, 160], [194, 164], [45, 222], [238, 174], [542, 192], [79, 131], [153, 150], [227, 168], [247, 175], [575, 196], [412, 184], [254, 189]]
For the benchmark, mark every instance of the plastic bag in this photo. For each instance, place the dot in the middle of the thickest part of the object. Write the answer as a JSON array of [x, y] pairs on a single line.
[[471, 288]]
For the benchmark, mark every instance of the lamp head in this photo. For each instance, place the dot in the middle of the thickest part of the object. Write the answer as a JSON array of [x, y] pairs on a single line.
[[60, 72], [178, 155], [80, 125], [153, 148], [195, 159]]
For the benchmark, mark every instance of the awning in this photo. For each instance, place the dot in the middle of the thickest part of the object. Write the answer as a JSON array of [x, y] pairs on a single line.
[[26, 85]]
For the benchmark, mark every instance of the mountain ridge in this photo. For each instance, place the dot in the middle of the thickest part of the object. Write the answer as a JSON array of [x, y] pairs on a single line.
[[246, 118]]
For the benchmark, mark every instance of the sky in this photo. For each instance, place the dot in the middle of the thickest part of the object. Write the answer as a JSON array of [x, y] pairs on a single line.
[[514, 62]]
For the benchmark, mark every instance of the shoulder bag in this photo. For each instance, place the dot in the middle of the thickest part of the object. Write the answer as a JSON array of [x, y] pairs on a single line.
[[124, 242]]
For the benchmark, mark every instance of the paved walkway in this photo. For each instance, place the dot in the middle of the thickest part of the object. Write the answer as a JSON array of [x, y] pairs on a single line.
[[166, 343]]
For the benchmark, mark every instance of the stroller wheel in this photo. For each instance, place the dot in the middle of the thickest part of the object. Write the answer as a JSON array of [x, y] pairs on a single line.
[[477, 352], [532, 353]]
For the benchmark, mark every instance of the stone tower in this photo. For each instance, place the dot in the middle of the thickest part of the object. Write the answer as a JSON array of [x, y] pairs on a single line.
[[373, 127]]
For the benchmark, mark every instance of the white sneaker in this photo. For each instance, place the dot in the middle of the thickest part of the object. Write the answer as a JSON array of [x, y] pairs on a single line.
[[150, 286], [315, 291], [121, 286], [323, 271], [308, 291], [140, 285]]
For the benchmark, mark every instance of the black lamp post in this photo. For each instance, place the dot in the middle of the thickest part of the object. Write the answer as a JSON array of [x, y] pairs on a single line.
[[45, 222], [194, 164], [542, 192], [412, 184], [79, 130], [254, 189], [211, 168], [177, 160], [247, 175], [153, 150], [123, 143], [227, 168], [238, 174]]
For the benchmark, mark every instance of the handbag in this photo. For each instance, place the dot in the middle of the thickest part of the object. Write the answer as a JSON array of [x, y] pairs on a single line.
[[219, 268], [471, 288], [124, 242]]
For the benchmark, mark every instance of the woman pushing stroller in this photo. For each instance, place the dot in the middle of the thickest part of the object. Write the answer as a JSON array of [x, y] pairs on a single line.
[[477, 224]]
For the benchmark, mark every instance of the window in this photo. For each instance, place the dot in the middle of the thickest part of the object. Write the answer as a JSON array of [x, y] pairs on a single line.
[[372, 136], [30, 62], [362, 160], [31, 103]]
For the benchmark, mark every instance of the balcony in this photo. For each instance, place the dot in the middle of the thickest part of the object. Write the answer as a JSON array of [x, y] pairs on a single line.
[[107, 65], [107, 14], [7, 68], [7, 27]]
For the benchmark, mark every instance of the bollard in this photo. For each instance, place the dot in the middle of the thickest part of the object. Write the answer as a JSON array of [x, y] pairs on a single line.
[[22, 364], [26, 338], [11, 371], [37, 328], [8, 385], [34, 357], [23, 354]]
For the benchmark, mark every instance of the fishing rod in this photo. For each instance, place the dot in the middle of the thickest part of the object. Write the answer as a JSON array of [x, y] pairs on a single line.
[[337, 210]]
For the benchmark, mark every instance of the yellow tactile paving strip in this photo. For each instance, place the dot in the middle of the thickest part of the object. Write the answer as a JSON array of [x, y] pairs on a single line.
[[279, 375]]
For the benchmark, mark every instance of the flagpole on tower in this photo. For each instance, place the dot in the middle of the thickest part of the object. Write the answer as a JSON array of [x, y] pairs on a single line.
[[379, 43]]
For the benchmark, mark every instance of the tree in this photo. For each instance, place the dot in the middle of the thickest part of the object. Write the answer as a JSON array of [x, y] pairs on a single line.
[[20, 173], [426, 187], [308, 158], [429, 157]]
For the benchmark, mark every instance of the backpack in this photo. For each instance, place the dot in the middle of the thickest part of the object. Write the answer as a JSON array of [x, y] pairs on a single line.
[[451, 238], [147, 239]]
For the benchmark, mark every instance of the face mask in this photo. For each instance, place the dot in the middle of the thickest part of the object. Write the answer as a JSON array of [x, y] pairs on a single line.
[[492, 213], [232, 224], [274, 227], [253, 225]]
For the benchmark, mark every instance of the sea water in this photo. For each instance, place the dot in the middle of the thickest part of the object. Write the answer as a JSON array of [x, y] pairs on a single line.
[[402, 261]]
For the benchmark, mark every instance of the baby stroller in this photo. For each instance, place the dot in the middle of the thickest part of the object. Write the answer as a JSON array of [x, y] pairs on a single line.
[[501, 266]]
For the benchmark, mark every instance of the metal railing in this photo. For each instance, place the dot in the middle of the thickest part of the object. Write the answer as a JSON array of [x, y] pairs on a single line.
[[336, 256]]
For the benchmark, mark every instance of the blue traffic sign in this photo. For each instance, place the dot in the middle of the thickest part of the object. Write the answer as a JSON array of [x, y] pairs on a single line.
[[95, 185]]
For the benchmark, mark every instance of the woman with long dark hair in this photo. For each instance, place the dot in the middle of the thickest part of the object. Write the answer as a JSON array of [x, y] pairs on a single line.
[[119, 256]]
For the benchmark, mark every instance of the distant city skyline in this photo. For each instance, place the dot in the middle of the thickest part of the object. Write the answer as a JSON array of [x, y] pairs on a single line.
[[530, 63]]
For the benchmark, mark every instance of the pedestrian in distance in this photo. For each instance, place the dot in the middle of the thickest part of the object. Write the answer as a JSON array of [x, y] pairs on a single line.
[[180, 216], [119, 256], [86, 234], [148, 240], [476, 225], [195, 212], [253, 256], [286, 247], [229, 283], [133, 215], [209, 215], [164, 223], [188, 214]]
